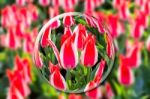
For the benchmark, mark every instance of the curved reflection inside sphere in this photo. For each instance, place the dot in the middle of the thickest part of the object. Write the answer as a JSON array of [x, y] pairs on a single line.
[[74, 52]]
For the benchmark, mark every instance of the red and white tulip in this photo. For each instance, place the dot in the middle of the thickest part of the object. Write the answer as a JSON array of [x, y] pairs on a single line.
[[125, 75], [80, 32], [89, 54], [56, 79], [68, 21], [69, 54]]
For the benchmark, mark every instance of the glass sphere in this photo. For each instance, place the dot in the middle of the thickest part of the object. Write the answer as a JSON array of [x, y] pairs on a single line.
[[74, 52]]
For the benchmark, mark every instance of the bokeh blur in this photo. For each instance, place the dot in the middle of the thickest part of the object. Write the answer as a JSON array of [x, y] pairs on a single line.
[[129, 25]]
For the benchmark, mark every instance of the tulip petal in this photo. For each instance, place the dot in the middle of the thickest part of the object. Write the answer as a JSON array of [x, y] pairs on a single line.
[[125, 75], [80, 32]]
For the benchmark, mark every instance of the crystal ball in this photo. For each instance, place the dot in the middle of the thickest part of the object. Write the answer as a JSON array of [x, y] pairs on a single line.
[[74, 52]]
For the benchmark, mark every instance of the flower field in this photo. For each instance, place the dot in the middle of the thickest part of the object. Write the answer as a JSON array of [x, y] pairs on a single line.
[[84, 55]]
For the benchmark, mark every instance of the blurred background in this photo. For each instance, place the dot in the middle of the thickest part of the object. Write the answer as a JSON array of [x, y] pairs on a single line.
[[129, 25]]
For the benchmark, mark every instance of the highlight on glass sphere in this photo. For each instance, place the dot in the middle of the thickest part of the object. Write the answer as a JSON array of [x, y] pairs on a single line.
[[74, 52]]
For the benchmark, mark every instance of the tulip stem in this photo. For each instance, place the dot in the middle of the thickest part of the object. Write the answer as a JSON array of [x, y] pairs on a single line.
[[68, 78], [88, 74]]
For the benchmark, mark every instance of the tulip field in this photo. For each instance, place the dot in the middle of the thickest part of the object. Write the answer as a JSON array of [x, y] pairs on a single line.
[[98, 49]]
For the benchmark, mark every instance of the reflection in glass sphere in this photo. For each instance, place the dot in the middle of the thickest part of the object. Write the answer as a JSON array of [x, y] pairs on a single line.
[[74, 52]]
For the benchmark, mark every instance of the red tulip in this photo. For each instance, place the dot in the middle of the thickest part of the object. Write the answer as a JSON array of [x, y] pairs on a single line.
[[33, 11], [99, 72], [23, 15], [80, 32], [28, 43], [23, 66], [47, 32], [125, 75], [115, 27], [56, 79], [94, 93], [133, 55], [89, 54], [68, 21], [139, 24], [124, 10], [9, 16], [69, 54], [17, 81], [147, 7], [12, 41]]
